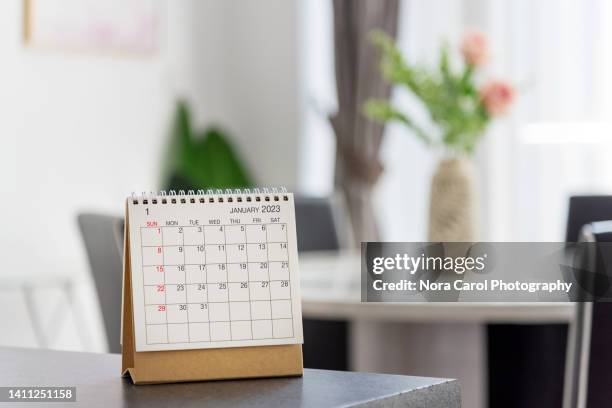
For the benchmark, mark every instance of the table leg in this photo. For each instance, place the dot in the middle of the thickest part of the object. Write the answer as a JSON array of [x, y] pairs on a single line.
[[39, 335], [446, 350], [79, 320]]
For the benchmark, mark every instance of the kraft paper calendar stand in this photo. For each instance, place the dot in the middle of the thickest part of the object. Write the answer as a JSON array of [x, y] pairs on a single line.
[[198, 364]]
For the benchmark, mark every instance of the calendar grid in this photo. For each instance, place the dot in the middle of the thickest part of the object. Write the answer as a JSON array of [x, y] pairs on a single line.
[[206, 287], [170, 246], [269, 280], [195, 264], [161, 232], [221, 321], [185, 280], [252, 260], [249, 284], [229, 309], [144, 301]]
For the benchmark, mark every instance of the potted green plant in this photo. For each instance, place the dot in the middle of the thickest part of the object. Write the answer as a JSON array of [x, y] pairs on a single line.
[[461, 109], [201, 159]]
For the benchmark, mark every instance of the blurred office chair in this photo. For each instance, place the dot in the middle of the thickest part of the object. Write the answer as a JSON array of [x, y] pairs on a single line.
[[585, 210], [103, 238], [316, 224], [325, 341], [539, 349], [588, 381]]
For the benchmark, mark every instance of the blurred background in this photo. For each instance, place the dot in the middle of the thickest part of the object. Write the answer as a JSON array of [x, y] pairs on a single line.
[[100, 99]]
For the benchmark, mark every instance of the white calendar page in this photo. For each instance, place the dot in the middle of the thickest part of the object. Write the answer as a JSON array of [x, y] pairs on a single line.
[[214, 271]]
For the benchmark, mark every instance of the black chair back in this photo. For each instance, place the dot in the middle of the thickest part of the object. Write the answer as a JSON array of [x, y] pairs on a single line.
[[315, 224], [589, 358], [325, 341], [585, 210]]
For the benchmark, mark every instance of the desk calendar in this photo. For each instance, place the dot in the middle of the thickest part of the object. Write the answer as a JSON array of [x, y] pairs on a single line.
[[216, 274]]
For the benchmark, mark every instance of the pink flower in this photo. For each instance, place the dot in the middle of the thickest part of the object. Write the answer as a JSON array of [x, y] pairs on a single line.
[[497, 96], [474, 47]]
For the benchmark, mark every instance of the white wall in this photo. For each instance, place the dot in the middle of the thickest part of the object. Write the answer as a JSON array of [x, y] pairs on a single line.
[[247, 80], [80, 131]]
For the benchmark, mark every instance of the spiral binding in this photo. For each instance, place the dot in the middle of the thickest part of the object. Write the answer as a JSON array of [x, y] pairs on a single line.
[[229, 195]]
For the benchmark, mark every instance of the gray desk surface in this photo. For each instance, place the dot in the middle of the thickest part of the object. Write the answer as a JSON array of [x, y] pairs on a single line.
[[98, 384]]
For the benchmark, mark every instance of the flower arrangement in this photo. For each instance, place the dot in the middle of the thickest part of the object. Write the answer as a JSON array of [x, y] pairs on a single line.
[[461, 109]]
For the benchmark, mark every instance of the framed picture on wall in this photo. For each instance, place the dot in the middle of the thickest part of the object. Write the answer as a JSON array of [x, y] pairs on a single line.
[[123, 26]]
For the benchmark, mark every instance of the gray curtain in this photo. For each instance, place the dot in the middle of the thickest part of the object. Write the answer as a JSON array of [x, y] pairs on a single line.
[[357, 79]]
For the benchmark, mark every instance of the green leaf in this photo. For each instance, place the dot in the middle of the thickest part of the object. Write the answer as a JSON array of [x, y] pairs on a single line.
[[177, 152], [383, 112], [218, 164], [201, 161]]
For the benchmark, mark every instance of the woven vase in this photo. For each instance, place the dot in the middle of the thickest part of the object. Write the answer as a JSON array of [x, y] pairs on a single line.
[[452, 209]]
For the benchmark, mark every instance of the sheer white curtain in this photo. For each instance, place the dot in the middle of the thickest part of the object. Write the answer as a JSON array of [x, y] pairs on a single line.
[[553, 144], [556, 142]]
